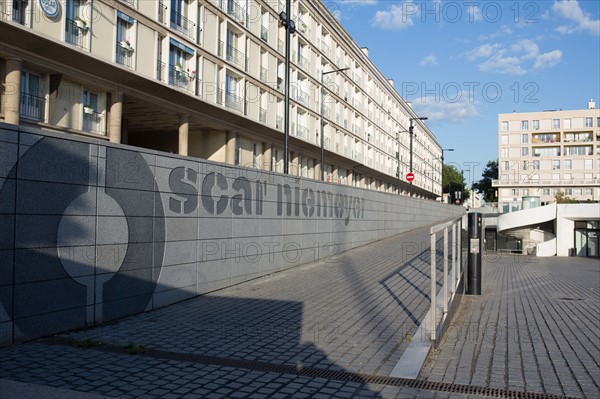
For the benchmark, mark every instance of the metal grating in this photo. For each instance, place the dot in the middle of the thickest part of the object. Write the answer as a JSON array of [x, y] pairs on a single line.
[[313, 372]]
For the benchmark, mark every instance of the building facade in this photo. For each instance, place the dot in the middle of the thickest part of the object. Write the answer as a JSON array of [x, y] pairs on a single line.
[[543, 154], [206, 79]]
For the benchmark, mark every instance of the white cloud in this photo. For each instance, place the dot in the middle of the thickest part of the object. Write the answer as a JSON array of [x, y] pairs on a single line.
[[547, 60], [456, 109], [359, 2], [398, 16], [503, 31], [483, 51], [428, 60], [513, 60], [571, 10]]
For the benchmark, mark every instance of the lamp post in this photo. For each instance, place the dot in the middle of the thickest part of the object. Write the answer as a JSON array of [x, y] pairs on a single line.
[[323, 123], [290, 28], [410, 132], [445, 149]]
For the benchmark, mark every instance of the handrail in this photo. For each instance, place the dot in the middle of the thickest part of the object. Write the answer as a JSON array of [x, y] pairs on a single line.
[[455, 274]]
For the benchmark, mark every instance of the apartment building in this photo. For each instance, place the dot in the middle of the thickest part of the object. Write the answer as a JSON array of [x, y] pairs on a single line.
[[206, 79], [542, 154]]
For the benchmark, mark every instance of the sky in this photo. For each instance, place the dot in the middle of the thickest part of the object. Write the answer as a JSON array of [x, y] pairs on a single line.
[[461, 63]]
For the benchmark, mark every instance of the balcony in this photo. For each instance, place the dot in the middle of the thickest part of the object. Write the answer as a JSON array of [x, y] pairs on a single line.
[[231, 100], [262, 115], [181, 79], [325, 49], [93, 122], [280, 46], [279, 122], [162, 12], [302, 97], [130, 3], [263, 74], [302, 26], [75, 32], [233, 10], [540, 183], [182, 24], [160, 67], [32, 107], [232, 54], [303, 62], [300, 131], [124, 54], [264, 34]]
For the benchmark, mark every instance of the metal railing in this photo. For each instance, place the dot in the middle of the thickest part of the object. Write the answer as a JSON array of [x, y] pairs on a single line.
[[74, 34], [179, 78], [303, 62], [451, 279], [32, 107], [232, 54], [160, 66], [262, 115], [231, 100], [93, 122], [162, 12], [263, 74], [182, 24], [549, 183], [279, 122], [132, 3], [124, 54], [280, 46], [264, 33], [233, 9], [325, 49]]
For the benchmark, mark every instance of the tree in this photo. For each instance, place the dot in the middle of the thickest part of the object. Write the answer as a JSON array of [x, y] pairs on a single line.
[[453, 181], [484, 185]]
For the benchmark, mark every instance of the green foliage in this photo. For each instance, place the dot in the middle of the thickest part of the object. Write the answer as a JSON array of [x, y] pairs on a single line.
[[485, 184], [561, 198], [452, 181]]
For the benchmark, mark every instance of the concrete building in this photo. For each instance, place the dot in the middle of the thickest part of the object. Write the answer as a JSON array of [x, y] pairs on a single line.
[[206, 79], [542, 154]]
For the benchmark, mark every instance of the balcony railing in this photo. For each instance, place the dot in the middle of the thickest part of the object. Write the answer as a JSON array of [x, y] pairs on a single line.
[[18, 11], [302, 26], [325, 49], [303, 62], [280, 46], [182, 24], [262, 115], [300, 131], [233, 9], [548, 183], [93, 122], [131, 3], [263, 74], [279, 122], [75, 33], [181, 79], [160, 67], [302, 97], [234, 102], [124, 54], [162, 12], [264, 33], [32, 107], [232, 54]]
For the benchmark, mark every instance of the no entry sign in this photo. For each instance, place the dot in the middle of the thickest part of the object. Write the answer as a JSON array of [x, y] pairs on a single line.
[[410, 176]]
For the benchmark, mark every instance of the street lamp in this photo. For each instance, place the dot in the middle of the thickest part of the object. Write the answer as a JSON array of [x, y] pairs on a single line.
[[410, 131], [290, 28], [445, 149], [322, 122]]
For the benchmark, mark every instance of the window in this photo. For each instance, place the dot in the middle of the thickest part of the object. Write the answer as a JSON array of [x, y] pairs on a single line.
[[32, 104], [515, 191], [589, 122], [124, 51], [555, 164], [525, 165], [567, 123], [546, 191], [179, 20], [524, 125], [578, 150], [536, 165], [577, 191], [567, 176], [588, 191], [589, 164], [18, 11], [91, 118], [524, 151], [180, 72], [505, 126], [504, 139], [524, 138], [75, 26], [525, 191], [568, 191], [536, 124], [504, 152], [505, 165], [598, 122], [568, 164], [555, 123]]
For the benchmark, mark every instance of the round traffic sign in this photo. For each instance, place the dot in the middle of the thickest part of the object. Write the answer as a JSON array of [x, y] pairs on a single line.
[[457, 202], [410, 176]]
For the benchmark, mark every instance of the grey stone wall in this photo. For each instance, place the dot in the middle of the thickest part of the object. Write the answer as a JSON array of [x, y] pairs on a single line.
[[91, 231]]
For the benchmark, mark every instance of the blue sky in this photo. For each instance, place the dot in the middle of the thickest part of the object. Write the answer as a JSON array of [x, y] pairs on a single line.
[[461, 63]]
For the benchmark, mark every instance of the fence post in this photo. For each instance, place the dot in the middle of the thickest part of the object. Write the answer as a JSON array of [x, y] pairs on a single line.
[[445, 280], [453, 279], [433, 288]]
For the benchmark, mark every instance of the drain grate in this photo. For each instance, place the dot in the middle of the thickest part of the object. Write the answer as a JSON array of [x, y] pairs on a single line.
[[313, 372]]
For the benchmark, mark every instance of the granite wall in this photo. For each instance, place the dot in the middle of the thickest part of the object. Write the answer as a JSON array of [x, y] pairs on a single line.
[[91, 231]]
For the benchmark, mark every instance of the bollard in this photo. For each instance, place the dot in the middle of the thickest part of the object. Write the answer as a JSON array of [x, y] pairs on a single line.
[[474, 275]]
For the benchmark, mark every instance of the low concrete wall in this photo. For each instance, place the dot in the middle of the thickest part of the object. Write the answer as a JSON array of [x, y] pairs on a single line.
[[91, 231]]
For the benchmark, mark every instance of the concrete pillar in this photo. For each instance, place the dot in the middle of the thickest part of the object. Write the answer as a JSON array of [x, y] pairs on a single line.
[[317, 168], [266, 158], [184, 134], [230, 139], [13, 90], [294, 167], [349, 177], [116, 117]]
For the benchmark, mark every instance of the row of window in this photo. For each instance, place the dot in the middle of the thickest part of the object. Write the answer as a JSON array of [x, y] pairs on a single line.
[[567, 124], [535, 165], [551, 191]]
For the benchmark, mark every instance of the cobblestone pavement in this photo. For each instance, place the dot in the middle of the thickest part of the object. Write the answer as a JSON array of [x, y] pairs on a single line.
[[329, 330], [536, 328]]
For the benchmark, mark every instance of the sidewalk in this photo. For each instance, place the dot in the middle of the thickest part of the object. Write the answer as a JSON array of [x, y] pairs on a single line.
[[333, 329]]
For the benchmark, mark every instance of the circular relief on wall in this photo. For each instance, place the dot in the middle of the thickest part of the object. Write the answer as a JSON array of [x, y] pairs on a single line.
[[50, 7]]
